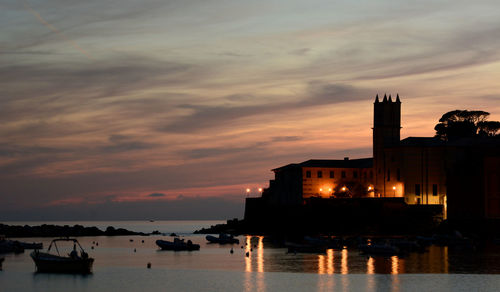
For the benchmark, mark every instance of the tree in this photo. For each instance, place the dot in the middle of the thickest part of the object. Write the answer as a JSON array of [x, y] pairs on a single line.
[[463, 123]]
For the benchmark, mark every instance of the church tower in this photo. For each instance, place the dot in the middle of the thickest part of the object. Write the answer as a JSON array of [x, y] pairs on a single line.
[[386, 133]]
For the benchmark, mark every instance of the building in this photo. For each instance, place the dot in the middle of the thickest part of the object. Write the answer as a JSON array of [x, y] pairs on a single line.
[[460, 178]]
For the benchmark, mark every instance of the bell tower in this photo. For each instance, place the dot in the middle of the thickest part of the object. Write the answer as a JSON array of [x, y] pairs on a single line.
[[386, 133]]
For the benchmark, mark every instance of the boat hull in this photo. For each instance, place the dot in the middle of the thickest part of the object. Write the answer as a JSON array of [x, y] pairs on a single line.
[[167, 245], [47, 263]]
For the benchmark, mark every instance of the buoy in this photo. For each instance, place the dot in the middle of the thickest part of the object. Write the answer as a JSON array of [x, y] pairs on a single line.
[[242, 246], [97, 243], [231, 251], [149, 265], [251, 249], [135, 250], [92, 247], [143, 241], [131, 240], [247, 254]]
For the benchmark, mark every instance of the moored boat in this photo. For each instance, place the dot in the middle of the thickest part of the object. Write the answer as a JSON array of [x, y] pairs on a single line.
[[56, 263], [222, 239], [379, 249], [177, 245]]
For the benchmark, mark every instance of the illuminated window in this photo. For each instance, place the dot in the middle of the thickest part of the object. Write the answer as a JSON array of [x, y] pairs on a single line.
[[434, 189], [308, 174], [320, 174], [342, 174], [332, 174]]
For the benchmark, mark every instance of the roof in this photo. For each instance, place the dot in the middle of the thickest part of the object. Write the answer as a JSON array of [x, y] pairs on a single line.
[[331, 163], [421, 141]]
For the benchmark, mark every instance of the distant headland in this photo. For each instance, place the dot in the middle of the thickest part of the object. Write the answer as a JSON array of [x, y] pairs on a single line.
[[48, 230]]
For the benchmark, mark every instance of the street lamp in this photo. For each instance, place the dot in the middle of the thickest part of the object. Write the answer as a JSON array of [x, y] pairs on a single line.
[[260, 191], [248, 192], [394, 189]]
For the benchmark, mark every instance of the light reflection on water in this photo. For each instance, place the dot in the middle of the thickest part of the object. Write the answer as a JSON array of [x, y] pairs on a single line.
[[117, 263]]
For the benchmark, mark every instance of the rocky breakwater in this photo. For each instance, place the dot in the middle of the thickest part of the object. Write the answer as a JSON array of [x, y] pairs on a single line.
[[47, 230]]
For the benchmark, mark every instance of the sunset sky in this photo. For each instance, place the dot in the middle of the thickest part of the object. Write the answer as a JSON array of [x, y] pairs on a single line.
[[170, 109]]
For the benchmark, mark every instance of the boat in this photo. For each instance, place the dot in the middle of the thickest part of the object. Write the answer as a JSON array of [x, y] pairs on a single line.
[[177, 245], [222, 239], [7, 246], [379, 249], [294, 247], [28, 245], [56, 263]]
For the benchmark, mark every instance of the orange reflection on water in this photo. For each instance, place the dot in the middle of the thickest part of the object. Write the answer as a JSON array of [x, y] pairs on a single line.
[[394, 265], [329, 263], [321, 264], [343, 262], [260, 255], [248, 259], [370, 266]]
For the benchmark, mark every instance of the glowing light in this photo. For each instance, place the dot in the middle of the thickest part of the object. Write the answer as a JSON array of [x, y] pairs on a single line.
[[320, 190], [344, 189], [394, 187], [370, 188], [260, 190], [330, 190]]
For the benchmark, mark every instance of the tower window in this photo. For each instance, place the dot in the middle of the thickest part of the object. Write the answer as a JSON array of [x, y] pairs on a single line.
[[417, 190], [332, 174], [342, 174], [398, 174], [434, 189], [355, 174], [388, 175], [371, 173], [308, 174], [320, 174]]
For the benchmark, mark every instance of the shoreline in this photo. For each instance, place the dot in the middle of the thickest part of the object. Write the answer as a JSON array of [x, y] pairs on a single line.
[[51, 230]]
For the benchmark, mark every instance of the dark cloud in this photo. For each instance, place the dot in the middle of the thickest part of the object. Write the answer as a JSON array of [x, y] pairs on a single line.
[[318, 94], [286, 138], [156, 195]]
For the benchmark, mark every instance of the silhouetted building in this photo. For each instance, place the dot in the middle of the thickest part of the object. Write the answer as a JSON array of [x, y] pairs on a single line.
[[461, 177]]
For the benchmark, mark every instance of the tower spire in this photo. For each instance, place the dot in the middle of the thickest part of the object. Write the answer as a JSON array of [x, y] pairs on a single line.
[[376, 99], [397, 98], [385, 97], [390, 98]]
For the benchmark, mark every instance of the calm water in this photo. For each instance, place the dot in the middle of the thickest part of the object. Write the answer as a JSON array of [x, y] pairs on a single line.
[[269, 268]]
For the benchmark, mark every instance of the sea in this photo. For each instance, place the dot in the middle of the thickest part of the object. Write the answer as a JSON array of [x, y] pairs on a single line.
[[121, 264]]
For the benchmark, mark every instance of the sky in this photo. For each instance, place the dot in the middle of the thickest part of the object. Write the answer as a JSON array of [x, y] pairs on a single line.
[[170, 109]]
